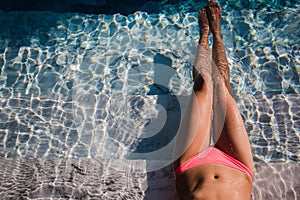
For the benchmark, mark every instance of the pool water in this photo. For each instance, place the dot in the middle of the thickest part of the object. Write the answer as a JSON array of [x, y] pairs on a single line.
[[75, 85]]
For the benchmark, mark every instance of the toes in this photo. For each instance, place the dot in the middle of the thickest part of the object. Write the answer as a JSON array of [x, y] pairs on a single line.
[[218, 6], [213, 4], [202, 13]]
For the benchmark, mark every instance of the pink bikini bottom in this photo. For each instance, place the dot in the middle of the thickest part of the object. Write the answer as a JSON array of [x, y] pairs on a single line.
[[212, 155]]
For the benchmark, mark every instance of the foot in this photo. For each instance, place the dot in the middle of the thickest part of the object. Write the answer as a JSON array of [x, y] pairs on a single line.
[[214, 12], [203, 25], [202, 57]]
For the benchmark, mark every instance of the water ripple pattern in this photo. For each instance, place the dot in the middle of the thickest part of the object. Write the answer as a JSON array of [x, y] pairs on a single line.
[[75, 85]]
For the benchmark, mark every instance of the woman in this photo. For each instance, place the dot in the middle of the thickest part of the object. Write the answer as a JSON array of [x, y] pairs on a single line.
[[225, 170]]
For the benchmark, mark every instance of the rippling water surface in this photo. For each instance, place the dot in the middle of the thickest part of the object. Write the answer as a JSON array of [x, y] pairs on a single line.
[[76, 85], [84, 85]]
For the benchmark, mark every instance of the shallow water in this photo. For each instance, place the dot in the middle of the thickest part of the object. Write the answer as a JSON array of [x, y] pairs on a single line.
[[82, 86], [75, 85], [91, 179]]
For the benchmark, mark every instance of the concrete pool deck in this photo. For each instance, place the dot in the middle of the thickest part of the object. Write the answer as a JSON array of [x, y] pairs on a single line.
[[84, 178]]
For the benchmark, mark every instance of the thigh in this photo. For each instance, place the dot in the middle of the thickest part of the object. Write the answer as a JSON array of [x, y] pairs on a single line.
[[233, 139], [194, 134]]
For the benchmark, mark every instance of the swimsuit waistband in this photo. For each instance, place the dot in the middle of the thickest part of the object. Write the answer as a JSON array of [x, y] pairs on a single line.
[[212, 155]]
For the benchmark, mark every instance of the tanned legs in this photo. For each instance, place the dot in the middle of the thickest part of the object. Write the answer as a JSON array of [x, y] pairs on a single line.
[[230, 135], [232, 138], [194, 134]]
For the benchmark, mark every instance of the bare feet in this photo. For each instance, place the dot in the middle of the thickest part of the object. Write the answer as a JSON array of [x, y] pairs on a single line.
[[204, 28], [214, 12], [214, 15], [202, 65]]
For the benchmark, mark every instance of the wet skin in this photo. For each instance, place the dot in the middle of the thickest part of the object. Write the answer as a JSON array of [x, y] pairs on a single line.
[[214, 181]]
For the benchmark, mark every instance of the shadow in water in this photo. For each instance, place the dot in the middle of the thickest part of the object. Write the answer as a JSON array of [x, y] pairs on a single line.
[[160, 182]]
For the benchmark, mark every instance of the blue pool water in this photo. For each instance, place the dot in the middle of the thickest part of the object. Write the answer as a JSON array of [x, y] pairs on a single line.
[[83, 85], [78, 85]]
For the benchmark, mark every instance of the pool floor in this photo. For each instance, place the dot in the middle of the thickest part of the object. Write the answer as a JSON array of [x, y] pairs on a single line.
[[82, 93], [90, 179]]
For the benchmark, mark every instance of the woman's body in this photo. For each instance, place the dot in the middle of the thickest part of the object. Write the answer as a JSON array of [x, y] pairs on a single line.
[[213, 180]]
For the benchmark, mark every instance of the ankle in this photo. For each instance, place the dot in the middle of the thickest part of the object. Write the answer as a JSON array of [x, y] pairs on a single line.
[[217, 35], [204, 43]]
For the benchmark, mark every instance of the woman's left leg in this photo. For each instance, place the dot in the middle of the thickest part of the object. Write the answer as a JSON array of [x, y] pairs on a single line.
[[230, 134]]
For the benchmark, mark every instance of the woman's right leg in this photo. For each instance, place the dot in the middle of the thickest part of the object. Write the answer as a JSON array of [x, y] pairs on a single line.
[[194, 133], [230, 134]]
